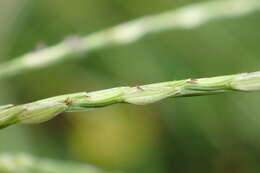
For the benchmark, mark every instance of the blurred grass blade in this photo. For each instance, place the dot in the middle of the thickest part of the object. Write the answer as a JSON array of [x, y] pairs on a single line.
[[24, 163], [187, 17]]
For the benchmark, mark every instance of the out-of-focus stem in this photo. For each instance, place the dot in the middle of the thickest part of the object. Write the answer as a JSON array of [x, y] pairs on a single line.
[[187, 17], [24, 163]]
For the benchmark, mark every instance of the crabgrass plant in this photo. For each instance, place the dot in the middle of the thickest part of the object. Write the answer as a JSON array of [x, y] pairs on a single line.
[[43, 110], [187, 17]]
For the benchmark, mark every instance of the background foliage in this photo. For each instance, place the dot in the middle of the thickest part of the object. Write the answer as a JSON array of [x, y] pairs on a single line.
[[206, 134]]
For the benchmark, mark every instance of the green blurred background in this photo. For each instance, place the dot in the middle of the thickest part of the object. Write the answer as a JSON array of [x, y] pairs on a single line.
[[201, 134]]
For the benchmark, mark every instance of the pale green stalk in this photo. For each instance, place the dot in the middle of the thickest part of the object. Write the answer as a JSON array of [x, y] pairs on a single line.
[[24, 163], [46, 109], [187, 17]]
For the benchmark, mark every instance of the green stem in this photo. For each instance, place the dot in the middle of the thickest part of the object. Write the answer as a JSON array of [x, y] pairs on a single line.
[[43, 110], [187, 17]]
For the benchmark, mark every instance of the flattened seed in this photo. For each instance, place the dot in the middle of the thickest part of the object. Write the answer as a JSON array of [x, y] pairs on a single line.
[[42, 112]]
